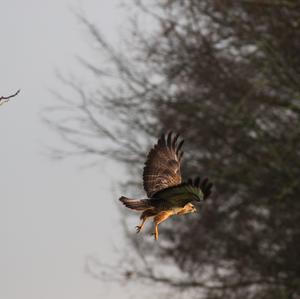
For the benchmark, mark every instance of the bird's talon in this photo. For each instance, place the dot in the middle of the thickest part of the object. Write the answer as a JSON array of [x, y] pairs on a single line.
[[138, 229], [155, 236]]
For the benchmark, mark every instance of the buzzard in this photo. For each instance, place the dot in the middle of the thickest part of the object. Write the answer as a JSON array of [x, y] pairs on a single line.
[[167, 194]]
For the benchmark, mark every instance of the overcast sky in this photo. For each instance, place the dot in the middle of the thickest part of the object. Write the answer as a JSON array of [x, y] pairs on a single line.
[[51, 214]]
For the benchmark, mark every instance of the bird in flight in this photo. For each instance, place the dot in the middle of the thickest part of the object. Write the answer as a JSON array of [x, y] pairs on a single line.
[[167, 194]]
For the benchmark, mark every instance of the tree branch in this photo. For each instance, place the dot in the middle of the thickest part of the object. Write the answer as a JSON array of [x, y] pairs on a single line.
[[6, 99]]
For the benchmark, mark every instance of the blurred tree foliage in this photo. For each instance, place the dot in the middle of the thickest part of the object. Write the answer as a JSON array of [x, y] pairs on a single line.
[[226, 75]]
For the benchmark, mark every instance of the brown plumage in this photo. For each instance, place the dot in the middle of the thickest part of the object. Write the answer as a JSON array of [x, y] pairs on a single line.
[[162, 167], [167, 195]]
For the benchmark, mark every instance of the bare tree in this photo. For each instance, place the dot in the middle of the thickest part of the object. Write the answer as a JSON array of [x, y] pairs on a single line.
[[224, 74]]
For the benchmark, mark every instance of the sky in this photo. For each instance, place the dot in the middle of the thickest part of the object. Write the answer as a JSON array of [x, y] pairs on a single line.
[[52, 213]]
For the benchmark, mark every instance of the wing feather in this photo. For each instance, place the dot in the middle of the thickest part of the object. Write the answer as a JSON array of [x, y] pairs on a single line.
[[162, 167], [201, 189]]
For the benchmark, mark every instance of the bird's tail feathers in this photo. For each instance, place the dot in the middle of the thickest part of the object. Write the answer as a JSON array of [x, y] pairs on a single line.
[[135, 204]]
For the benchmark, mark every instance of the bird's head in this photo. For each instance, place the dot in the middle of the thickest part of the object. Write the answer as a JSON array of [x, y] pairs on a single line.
[[190, 208]]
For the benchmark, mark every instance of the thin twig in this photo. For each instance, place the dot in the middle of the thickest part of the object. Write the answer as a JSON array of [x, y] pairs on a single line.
[[6, 99]]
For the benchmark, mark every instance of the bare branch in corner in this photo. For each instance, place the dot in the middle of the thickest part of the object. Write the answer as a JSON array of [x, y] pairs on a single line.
[[7, 98]]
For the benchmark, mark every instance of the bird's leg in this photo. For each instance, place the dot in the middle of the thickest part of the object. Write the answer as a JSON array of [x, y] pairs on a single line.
[[140, 227], [159, 219], [145, 215]]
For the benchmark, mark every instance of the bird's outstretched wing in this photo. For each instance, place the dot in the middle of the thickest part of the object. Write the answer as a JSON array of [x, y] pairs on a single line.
[[195, 190], [204, 185], [162, 167]]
